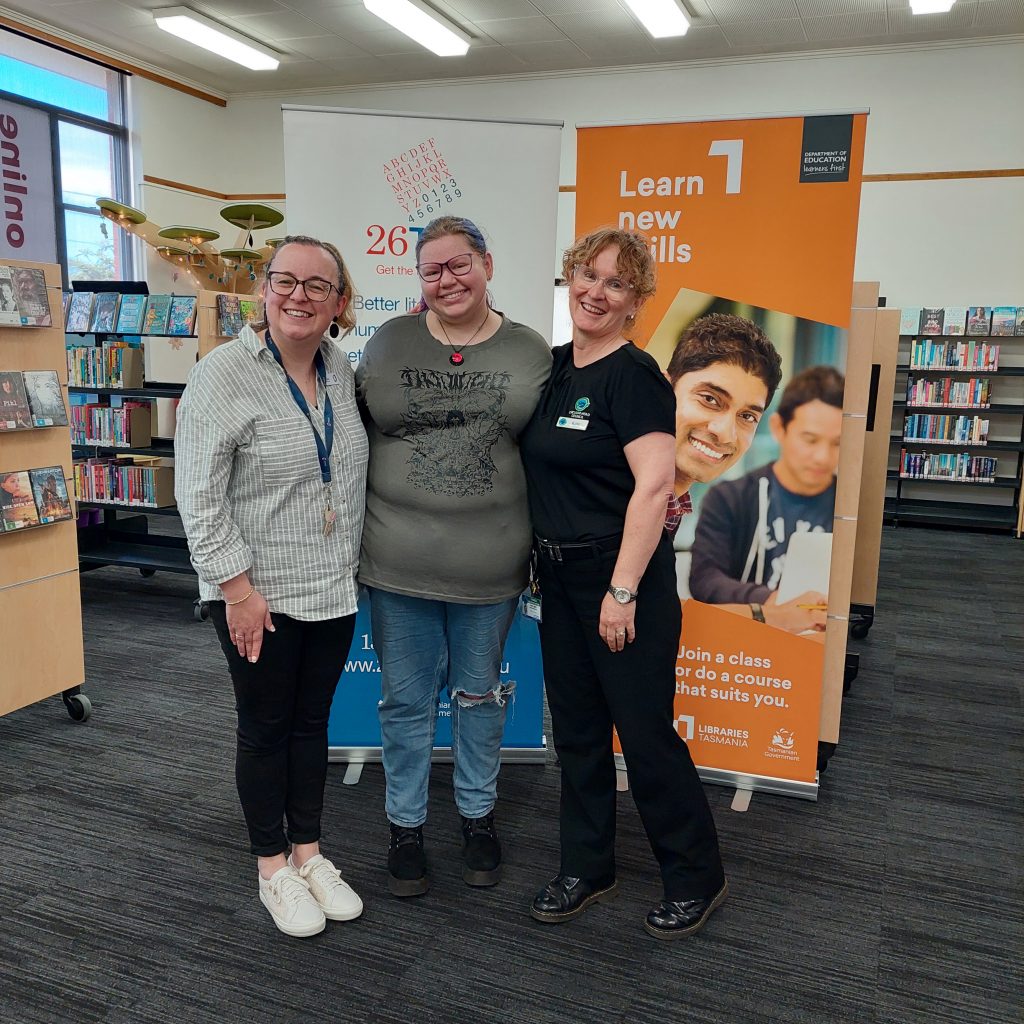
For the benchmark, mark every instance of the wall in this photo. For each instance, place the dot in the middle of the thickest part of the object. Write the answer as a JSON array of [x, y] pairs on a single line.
[[932, 109]]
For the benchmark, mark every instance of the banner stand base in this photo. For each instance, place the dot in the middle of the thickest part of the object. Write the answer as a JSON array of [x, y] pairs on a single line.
[[739, 781], [356, 757]]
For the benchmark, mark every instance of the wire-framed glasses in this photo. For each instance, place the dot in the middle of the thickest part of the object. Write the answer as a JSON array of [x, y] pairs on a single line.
[[589, 277]]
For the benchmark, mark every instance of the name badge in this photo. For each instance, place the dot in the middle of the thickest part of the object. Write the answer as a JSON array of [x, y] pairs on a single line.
[[572, 423], [332, 378]]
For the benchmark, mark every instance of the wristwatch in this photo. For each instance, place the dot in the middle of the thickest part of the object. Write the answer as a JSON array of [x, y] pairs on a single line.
[[756, 612], [622, 594]]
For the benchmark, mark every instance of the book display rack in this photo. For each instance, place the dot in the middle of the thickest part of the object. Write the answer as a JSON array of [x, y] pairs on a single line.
[[122, 474], [40, 604], [957, 443]]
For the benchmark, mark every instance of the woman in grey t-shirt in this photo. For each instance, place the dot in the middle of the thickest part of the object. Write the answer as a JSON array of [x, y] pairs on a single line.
[[446, 539]]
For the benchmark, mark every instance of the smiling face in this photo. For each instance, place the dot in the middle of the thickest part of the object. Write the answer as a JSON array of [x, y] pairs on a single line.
[[456, 300], [296, 318], [808, 447], [599, 314], [717, 411]]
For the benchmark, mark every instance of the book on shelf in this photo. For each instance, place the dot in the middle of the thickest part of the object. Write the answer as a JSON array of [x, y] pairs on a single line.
[[979, 319], [51, 494], [128, 426], [945, 391], [181, 317], [229, 316], [131, 315], [1018, 326], [79, 316], [931, 320], [961, 466], [45, 398], [910, 318], [33, 302], [9, 313], [945, 428], [1004, 319], [157, 310], [926, 354], [250, 311], [65, 301], [17, 505], [114, 364], [104, 313], [14, 409], [142, 481], [954, 321]]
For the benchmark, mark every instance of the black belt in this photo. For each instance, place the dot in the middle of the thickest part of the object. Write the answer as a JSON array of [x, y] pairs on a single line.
[[557, 552]]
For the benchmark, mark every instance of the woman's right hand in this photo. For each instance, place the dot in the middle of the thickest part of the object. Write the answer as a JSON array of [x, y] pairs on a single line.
[[246, 622]]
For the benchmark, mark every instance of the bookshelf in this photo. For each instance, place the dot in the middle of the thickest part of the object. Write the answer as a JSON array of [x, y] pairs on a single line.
[[961, 465], [117, 498], [40, 603]]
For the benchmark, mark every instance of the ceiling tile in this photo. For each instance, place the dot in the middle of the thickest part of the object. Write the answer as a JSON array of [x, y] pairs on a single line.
[[323, 47], [825, 8], [268, 27], [841, 26], [746, 34], [1001, 15], [546, 56], [700, 41], [903, 21], [492, 10], [512, 31], [763, 11], [575, 6]]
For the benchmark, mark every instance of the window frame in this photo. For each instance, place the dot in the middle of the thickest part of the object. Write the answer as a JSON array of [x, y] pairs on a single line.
[[119, 169]]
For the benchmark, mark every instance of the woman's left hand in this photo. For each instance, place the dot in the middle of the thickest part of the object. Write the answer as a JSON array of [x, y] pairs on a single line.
[[616, 623]]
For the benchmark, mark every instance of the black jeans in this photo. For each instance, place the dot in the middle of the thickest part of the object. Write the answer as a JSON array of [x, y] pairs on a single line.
[[589, 690], [283, 703]]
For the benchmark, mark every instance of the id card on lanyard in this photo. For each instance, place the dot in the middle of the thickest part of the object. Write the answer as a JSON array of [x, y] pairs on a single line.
[[324, 444]]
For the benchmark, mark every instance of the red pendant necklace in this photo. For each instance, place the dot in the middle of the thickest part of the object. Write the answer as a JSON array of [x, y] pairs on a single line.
[[457, 358]]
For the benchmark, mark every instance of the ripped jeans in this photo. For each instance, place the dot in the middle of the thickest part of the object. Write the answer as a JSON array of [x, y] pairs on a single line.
[[425, 647]]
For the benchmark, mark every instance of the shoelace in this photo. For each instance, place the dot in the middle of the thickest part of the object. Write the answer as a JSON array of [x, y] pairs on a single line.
[[284, 888], [405, 837], [326, 875], [480, 826]]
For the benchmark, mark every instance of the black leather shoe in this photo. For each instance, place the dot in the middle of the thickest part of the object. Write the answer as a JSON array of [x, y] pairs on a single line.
[[407, 863], [481, 851], [673, 920], [565, 897]]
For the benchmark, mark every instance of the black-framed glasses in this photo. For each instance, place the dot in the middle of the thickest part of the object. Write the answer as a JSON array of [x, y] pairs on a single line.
[[459, 265], [316, 289], [588, 276]]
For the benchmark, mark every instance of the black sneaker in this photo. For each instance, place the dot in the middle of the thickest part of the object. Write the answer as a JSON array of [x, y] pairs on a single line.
[[407, 863], [481, 851]]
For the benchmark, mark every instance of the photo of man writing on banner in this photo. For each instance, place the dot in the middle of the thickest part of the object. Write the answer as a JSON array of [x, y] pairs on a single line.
[[754, 489]]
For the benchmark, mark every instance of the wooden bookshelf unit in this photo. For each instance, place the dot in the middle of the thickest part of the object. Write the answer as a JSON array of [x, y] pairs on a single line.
[[40, 603]]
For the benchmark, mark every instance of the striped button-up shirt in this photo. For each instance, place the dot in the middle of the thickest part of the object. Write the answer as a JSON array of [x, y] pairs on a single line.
[[248, 482]]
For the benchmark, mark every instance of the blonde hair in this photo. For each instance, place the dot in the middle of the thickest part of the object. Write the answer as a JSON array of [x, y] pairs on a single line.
[[346, 319], [634, 261]]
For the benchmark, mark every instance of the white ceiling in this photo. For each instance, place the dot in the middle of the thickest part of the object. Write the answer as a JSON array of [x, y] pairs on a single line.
[[335, 43]]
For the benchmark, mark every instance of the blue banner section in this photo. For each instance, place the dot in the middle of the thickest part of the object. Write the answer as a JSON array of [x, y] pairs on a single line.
[[354, 720]]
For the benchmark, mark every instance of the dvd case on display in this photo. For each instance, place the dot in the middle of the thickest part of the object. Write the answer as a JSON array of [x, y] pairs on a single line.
[[9, 315], [229, 316], [181, 318], [157, 310], [1018, 327], [14, 407], [50, 492], [955, 320], [45, 398], [17, 505], [931, 320], [1003, 321], [104, 313], [978, 319], [131, 314], [33, 302], [79, 313]]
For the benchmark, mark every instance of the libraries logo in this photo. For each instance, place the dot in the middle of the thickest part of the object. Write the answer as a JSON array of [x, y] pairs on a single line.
[[684, 726], [783, 746]]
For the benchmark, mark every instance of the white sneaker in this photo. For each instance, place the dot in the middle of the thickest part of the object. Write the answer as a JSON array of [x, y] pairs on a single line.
[[333, 894], [291, 904]]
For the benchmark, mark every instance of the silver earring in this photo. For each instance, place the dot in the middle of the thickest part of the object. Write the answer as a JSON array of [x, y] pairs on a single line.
[[334, 331]]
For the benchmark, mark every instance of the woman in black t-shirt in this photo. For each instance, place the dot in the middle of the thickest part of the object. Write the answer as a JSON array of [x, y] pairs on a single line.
[[599, 457]]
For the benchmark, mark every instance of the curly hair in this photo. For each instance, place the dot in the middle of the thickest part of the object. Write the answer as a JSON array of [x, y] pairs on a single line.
[[634, 260]]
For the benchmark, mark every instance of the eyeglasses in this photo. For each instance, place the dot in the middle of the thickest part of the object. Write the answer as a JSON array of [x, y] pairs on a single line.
[[316, 289], [459, 265], [589, 277]]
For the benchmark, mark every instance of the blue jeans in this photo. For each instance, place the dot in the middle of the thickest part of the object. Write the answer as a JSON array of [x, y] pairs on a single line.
[[424, 647]]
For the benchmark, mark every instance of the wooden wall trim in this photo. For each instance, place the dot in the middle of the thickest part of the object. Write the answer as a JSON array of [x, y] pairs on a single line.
[[109, 61], [228, 197]]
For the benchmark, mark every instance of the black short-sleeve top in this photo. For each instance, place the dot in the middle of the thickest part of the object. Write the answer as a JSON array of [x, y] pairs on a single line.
[[578, 479]]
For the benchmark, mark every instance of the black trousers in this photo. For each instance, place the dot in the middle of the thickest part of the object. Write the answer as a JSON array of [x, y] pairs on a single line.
[[589, 690], [283, 703]]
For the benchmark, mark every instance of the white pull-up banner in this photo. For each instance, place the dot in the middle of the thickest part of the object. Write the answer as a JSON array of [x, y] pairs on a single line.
[[369, 181]]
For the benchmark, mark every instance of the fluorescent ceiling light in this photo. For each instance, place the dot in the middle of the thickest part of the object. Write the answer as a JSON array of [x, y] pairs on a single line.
[[930, 6], [422, 24], [194, 28], [662, 18]]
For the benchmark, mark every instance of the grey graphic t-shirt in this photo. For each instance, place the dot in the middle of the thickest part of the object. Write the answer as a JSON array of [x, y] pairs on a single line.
[[446, 514]]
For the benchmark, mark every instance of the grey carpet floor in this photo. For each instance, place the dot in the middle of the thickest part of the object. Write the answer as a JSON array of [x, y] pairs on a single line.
[[126, 894]]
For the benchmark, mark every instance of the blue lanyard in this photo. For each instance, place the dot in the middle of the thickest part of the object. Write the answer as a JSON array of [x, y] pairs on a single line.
[[323, 448]]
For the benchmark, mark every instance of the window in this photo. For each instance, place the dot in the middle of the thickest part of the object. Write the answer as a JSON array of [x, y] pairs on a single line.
[[84, 102]]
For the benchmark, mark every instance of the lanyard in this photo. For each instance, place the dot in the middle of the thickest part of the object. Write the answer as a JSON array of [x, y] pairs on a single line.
[[323, 447]]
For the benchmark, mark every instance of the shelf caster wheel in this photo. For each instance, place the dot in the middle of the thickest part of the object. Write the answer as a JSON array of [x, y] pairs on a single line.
[[79, 707], [146, 573], [200, 611], [859, 630]]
